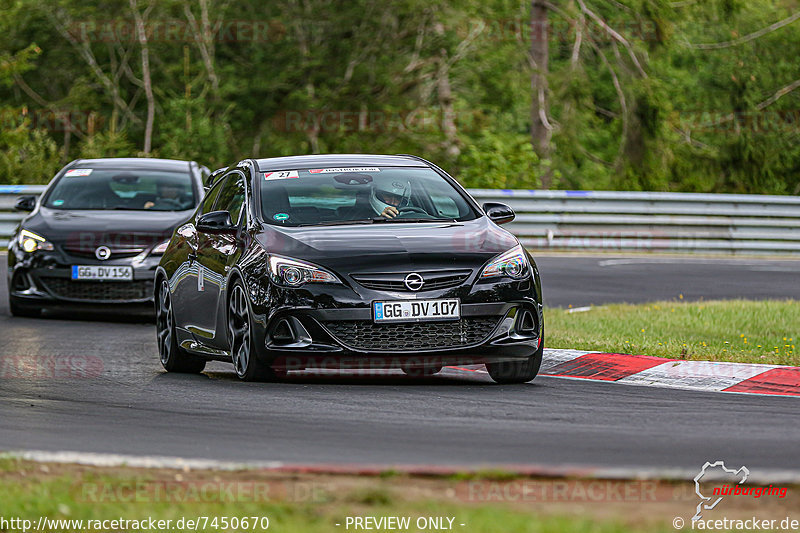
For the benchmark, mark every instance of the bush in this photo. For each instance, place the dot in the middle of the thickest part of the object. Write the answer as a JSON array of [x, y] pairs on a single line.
[[27, 156]]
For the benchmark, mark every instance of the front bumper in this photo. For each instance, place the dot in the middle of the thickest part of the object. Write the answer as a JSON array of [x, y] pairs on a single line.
[[44, 279], [332, 327]]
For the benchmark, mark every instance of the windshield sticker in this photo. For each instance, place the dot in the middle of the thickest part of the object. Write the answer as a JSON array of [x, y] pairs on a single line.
[[77, 172], [58, 202], [281, 175], [280, 216], [353, 169]]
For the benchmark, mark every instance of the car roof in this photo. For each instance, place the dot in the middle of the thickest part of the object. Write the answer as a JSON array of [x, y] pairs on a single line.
[[133, 162], [338, 160]]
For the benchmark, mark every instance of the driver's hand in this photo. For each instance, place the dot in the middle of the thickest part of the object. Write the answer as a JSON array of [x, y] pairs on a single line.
[[390, 212], [148, 205]]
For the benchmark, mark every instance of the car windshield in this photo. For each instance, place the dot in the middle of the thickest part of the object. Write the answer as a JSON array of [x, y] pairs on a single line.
[[151, 190], [333, 196]]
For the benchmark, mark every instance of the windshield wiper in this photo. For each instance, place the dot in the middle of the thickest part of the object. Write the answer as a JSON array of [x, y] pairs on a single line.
[[398, 220], [376, 220], [337, 222]]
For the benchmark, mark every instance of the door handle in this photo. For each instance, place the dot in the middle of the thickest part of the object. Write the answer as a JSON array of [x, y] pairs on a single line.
[[193, 246]]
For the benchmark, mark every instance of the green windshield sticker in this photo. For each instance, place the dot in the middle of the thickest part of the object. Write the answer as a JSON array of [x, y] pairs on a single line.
[[280, 216]]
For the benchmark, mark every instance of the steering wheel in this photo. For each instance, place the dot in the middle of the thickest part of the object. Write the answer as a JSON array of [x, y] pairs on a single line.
[[168, 204], [411, 209]]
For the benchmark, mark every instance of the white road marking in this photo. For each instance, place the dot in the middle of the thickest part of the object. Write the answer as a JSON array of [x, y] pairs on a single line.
[[762, 476], [696, 375], [555, 357], [580, 309], [135, 461], [749, 262]]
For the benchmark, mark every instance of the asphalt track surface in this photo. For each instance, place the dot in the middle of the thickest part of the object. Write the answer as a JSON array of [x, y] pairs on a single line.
[[593, 280], [130, 406]]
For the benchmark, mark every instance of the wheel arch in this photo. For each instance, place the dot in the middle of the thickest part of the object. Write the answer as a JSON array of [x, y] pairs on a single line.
[[225, 294]]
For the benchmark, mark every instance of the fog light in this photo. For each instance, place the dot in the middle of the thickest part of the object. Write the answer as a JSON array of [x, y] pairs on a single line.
[[526, 324], [288, 332], [283, 333]]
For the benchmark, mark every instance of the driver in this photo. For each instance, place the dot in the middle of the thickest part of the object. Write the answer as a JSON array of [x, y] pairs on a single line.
[[168, 198], [386, 195]]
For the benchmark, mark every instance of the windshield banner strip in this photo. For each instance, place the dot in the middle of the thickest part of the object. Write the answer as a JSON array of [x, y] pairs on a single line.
[[77, 172], [352, 169]]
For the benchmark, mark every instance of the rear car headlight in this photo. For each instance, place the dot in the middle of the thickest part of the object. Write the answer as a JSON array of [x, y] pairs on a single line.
[[513, 263], [30, 242], [160, 249], [294, 273]]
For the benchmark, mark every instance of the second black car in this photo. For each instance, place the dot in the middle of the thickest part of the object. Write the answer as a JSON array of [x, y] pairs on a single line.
[[94, 237]]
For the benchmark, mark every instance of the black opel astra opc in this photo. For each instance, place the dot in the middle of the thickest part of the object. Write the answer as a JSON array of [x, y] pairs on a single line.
[[95, 236], [347, 261]]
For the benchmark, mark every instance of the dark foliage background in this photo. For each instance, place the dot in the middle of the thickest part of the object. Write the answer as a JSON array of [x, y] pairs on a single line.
[[677, 95]]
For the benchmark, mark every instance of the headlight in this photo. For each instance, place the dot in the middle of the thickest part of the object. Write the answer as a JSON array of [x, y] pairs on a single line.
[[30, 242], [293, 273], [160, 249], [513, 263]]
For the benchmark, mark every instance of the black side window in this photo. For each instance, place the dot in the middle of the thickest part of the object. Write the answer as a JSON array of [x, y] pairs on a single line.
[[211, 196], [231, 198]]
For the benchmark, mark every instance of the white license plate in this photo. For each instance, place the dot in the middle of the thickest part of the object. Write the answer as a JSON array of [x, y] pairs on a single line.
[[414, 310], [110, 273]]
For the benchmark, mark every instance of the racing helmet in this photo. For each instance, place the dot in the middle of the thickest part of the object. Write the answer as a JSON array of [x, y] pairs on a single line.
[[383, 187]]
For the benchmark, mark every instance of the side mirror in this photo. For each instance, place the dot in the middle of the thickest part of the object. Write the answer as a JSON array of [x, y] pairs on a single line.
[[26, 203], [216, 222], [213, 177], [498, 213]]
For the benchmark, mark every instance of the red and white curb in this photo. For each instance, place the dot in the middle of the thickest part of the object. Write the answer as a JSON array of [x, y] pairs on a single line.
[[672, 373], [668, 373]]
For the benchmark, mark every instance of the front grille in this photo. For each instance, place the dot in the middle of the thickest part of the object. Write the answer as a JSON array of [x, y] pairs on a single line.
[[416, 336], [115, 254], [395, 281], [105, 291]]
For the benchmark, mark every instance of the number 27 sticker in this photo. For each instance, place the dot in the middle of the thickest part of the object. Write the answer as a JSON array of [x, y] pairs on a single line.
[[281, 175]]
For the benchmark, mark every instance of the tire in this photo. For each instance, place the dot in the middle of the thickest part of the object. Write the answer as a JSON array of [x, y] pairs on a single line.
[[427, 370], [510, 372], [244, 352], [23, 312], [173, 357]]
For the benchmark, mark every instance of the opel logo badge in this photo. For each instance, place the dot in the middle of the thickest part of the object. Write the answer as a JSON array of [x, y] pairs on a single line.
[[102, 253], [414, 282]]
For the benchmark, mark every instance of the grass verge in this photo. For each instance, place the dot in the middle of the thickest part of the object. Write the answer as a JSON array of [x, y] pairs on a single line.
[[735, 330], [299, 503]]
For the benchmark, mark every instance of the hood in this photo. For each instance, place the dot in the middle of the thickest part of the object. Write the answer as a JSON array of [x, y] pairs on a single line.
[[115, 229], [378, 247]]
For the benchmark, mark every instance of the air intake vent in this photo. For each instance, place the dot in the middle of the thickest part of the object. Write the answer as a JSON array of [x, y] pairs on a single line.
[[416, 336], [433, 280], [99, 291], [526, 324]]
